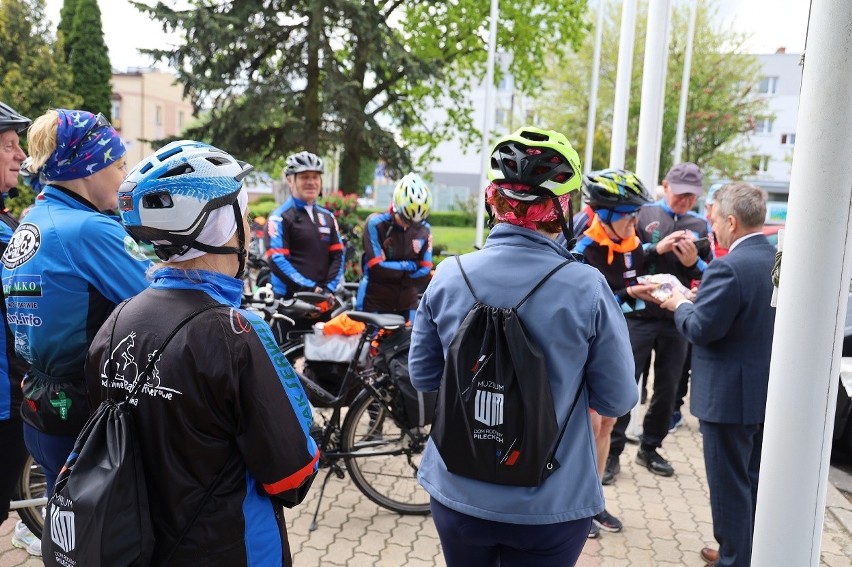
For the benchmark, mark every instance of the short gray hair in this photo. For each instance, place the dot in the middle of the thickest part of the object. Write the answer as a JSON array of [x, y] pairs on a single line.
[[742, 200]]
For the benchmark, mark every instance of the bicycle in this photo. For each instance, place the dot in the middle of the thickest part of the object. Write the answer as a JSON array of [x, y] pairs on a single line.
[[363, 429], [30, 497]]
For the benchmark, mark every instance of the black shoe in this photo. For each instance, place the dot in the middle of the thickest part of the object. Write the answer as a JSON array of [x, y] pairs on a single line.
[[654, 462], [607, 522], [613, 467], [594, 531]]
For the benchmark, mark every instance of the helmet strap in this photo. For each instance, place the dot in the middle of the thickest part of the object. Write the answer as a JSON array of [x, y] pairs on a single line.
[[567, 228], [240, 250]]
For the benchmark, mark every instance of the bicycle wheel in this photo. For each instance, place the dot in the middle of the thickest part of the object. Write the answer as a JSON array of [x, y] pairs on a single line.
[[385, 461], [32, 485]]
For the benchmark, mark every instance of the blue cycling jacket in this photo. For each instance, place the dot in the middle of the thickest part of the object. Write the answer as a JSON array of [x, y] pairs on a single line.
[[65, 269], [12, 368]]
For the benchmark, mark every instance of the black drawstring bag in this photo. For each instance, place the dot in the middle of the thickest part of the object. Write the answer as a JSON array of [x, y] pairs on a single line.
[[98, 514], [495, 419]]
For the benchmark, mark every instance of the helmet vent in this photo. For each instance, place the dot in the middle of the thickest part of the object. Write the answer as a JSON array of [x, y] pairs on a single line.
[[217, 161], [146, 168], [182, 169], [157, 201], [534, 136], [169, 153]]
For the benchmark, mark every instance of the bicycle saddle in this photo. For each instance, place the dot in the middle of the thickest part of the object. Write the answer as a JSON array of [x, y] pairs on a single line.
[[386, 321]]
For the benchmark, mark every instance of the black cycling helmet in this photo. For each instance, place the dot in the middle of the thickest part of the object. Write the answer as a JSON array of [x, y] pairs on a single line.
[[303, 161], [11, 120], [614, 189]]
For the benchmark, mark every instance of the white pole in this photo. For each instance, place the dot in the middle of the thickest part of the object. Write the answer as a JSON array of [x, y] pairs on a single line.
[[620, 109], [653, 91], [684, 83], [487, 122], [593, 91], [803, 377]]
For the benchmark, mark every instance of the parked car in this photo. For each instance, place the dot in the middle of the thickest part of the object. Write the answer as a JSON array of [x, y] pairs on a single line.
[[843, 416]]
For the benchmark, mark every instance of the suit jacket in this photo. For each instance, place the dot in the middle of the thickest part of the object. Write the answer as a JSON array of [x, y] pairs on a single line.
[[730, 326]]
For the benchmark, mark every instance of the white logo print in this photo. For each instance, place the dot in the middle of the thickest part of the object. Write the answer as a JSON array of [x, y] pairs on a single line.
[[127, 370], [23, 245], [62, 529], [489, 408]]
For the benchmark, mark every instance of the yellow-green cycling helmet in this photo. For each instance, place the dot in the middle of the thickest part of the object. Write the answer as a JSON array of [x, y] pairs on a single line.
[[541, 159], [412, 199]]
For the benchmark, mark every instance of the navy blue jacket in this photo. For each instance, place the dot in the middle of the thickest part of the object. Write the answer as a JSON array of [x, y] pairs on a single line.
[[730, 327]]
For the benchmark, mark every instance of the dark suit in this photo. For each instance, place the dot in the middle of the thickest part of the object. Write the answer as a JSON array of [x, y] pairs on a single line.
[[730, 326]]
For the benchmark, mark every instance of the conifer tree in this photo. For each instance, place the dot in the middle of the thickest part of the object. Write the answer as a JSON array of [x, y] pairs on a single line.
[[31, 80], [89, 58], [66, 26]]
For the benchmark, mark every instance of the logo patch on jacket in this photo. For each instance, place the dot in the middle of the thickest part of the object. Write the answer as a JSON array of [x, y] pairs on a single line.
[[652, 226], [22, 246]]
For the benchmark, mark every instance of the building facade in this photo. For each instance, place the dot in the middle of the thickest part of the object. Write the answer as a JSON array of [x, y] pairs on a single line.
[[774, 136], [147, 105]]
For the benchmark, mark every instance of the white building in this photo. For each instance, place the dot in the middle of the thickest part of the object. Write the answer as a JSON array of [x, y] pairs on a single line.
[[774, 135]]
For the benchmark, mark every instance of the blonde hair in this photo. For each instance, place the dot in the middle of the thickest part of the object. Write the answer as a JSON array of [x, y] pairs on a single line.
[[41, 138]]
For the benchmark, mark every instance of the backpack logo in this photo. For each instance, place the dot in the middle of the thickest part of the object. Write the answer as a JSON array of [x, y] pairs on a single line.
[[62, 529], [489, 408]]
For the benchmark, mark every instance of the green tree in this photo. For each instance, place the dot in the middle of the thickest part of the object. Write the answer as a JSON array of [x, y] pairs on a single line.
[[31, 80], [89, 57], [66, 26], [357, 75], [720, 108]]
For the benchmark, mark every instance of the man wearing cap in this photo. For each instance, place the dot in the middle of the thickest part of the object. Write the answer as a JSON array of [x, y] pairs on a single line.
[[667, 230]]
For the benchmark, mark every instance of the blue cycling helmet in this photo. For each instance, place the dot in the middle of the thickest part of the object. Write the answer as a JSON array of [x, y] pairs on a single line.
[[168, 197]]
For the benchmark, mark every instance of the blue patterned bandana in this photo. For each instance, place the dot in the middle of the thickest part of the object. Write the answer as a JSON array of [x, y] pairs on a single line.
[[85, 144]]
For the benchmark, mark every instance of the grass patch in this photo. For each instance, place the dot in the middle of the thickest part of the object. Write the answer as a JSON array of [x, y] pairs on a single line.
[[454, 239]]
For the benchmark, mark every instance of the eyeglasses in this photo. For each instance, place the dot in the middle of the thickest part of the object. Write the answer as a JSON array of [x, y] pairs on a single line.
[[100, 123]]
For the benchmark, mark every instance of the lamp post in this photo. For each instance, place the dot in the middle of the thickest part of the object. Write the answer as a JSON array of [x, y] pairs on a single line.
[[487, 125]]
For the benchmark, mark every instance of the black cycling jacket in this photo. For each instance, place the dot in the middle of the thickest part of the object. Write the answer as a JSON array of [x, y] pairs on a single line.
[[221, 396]]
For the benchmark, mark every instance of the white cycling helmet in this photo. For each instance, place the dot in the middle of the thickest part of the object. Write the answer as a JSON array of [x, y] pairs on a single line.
[[303, 161], [412, 198], [168, 198]]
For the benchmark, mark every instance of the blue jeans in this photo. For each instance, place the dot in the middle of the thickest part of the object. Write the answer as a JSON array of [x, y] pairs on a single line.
[[50, 451], [473, 542]]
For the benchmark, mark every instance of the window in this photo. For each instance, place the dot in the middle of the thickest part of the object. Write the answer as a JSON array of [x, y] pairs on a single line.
[[500, 117], [503, 84], [759, 164], [768, 86], [180, 120], [158, 115], [763, 126], [788, 139], [115, 111]]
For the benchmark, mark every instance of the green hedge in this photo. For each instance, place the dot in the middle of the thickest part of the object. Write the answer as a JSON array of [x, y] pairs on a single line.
[[438, 218]]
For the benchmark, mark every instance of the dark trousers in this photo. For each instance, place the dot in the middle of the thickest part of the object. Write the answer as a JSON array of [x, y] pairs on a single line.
[[473, 542], [669, 346], [14, 455], [50, 451], [732, 460], [683, 385]]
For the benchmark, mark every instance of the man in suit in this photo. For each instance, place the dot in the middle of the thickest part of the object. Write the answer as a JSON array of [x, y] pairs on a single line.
[[730, 326]]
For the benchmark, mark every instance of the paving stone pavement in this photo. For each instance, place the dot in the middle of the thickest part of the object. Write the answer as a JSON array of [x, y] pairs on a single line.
[[667, 521]]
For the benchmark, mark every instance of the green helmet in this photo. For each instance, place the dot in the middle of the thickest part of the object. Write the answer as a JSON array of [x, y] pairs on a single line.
[[541, 159]]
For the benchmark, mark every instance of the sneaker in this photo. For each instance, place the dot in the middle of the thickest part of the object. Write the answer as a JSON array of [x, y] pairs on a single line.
[[677, 421], [652, 460], [607, 522], [613, 467], [594, 531], [23, 538]]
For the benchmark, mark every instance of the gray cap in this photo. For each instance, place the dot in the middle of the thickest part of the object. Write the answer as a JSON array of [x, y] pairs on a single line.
[[686, 178]]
